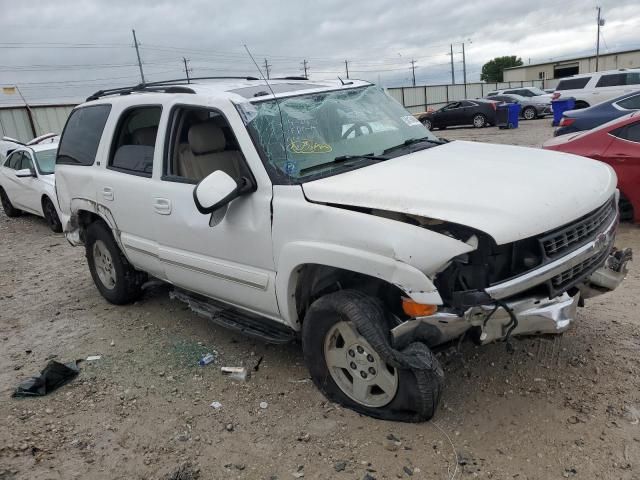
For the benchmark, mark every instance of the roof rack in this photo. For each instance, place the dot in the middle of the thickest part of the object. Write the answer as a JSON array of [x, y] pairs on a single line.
[[164, 86], [290, 78]]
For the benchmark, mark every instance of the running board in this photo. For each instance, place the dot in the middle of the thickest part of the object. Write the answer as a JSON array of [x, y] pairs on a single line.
[[248, 324]]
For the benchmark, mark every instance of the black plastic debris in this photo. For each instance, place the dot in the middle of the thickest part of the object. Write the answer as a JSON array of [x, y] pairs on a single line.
[[54, 375]]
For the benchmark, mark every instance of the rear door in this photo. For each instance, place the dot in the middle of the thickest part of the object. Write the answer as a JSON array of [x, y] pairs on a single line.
[[623, 154], [10, 182], [609, 86], [125, 186], [450, 114]]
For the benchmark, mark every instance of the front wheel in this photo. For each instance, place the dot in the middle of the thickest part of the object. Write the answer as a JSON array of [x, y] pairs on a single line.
[[529, 113], [479, 120], [345, 341], [7, 206], [427, 123], [51, 216], [115, 277]]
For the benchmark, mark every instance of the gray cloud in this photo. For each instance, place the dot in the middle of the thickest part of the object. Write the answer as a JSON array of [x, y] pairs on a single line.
[[84, 46]]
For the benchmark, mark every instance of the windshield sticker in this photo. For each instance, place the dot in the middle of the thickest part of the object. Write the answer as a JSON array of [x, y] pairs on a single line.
[[411, 120], [309, 146], [290, 168]]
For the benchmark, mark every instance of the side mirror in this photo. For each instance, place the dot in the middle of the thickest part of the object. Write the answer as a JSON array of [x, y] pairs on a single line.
[[217, 190], [25, 173]]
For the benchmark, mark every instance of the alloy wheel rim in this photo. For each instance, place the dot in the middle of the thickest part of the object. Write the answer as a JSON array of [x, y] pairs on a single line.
[[478, 121], [528, 114], [104, 265], [357, 368]]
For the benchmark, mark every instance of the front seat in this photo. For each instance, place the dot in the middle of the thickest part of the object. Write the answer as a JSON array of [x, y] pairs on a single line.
[[206, 153]]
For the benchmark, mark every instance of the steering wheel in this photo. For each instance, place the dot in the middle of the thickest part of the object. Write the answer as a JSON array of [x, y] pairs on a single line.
[[358, 129]]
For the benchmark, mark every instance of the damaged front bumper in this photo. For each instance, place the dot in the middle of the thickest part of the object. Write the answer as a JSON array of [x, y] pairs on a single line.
[[534, 314]]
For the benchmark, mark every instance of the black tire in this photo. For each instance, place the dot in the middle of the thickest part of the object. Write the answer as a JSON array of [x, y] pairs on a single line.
[[8, 208], [529, 113], [479, 120], [427, 123], [51, 215], [128, 280], [626, 209], [418, 389]]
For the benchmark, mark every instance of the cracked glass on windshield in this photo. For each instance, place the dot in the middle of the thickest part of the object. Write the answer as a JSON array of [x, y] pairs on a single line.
[[322, 127]]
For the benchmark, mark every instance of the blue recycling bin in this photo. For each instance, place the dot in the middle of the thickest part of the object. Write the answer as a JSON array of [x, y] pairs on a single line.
[[561, 106], [507, 115]]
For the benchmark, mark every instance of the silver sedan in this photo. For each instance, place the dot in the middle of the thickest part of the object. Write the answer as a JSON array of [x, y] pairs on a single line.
[[530, 107]]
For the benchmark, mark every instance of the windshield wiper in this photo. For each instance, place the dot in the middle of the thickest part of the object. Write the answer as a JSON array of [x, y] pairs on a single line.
[[342, 159], [412, 141]]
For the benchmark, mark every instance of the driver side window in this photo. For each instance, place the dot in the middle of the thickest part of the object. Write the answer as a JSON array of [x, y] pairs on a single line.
[[202, 142]]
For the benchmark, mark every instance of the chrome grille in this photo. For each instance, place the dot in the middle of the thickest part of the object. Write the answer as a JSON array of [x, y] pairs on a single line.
[[576, 234], [579, 271]]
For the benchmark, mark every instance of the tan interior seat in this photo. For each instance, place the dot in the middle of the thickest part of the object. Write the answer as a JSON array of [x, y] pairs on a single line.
[[205, 153], [145, 136]]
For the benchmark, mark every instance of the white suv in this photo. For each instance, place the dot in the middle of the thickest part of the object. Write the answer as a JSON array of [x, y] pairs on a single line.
[[592, 88], [325, 211]]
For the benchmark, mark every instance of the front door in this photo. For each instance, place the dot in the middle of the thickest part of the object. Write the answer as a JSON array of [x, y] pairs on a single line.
[[28, 192], [228, 255]]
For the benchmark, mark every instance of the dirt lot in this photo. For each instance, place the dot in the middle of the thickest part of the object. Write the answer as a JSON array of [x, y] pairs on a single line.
[[562, 407]]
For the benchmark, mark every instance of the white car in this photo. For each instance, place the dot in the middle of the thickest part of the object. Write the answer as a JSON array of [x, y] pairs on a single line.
[[27, 180], [534, 94], [325, 211], [593, 88]]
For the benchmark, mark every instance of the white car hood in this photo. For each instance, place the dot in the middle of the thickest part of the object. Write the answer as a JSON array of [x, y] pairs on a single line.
[[508, 192]]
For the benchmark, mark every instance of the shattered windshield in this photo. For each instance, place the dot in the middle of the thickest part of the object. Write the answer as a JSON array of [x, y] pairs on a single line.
[[322, 129]]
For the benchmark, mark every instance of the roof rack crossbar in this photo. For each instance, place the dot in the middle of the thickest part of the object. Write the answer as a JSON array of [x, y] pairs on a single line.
[[163, 83]]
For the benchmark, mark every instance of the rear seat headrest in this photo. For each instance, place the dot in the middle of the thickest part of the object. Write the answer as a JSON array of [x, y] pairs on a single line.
[[206, 138]]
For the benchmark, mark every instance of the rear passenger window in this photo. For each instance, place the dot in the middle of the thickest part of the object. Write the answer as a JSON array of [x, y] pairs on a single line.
[[633, 78], [614, 80], [135, 141], [26, 162], [631, 132], [573, 83], [630, 103], [82, 134]]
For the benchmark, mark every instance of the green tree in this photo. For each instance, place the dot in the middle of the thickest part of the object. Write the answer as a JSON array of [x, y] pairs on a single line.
[[493, 69]]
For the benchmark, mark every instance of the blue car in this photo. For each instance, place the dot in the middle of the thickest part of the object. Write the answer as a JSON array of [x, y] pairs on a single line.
[[588, 118]]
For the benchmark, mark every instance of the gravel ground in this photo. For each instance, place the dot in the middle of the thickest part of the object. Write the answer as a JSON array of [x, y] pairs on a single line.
[[559, 407]]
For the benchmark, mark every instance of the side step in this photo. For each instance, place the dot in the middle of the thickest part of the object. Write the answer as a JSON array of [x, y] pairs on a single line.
[[232, 318]]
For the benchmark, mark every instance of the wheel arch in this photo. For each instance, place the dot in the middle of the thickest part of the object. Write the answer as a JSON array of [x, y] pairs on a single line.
[[307, 270], [84, 212]]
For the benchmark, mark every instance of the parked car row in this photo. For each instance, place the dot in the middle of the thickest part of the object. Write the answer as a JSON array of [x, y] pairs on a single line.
[[325, 212], [27, 180]]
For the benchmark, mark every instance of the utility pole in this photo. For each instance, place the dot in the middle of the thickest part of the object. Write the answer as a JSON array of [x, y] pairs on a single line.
[[135, 42], [186, 68], [600, 24], [453, 74], [413, 71], [464, 71], [267, 68], [346, 67], [305, 66]]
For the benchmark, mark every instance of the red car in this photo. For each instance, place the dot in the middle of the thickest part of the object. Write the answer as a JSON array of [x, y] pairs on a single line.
[[616, 143]]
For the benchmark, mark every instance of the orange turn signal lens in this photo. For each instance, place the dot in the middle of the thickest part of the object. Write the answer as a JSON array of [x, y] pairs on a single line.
[[415, 309]]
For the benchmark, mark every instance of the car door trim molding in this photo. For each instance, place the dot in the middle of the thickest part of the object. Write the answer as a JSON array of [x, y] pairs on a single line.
[[249, 283]]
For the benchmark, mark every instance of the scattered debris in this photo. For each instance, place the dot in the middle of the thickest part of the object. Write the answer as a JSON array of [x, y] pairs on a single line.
[[569, 472], [113, 344], [54, 375], [229, 427], [340, 466], [184, 472], [216, 405], [408, 470], [263, 405], [93, 358], [236, 373], [206, 359]]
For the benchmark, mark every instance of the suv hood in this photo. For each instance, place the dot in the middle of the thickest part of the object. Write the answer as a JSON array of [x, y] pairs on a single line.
[[508, 192]]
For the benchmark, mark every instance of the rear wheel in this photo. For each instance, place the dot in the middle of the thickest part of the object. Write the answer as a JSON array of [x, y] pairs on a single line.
[[112, 273], [529, 113], [345, 340], [51, 215], [8, 208], [479, 120]]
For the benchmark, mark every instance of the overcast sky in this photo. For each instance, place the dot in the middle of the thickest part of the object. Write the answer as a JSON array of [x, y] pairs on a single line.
[[60, 51]]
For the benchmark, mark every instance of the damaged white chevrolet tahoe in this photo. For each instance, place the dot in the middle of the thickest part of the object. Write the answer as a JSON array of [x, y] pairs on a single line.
[[324, 211]]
